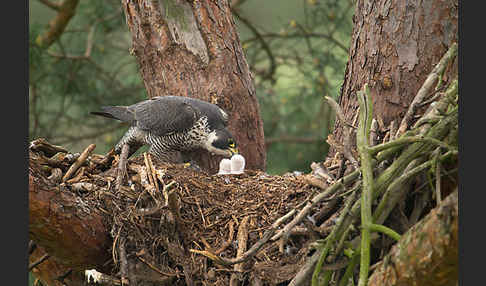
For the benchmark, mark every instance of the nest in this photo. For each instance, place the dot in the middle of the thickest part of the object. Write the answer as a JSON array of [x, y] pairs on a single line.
[[170, 218]]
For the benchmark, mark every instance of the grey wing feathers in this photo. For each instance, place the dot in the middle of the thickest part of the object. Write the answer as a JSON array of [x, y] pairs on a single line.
[[122, 113], [217, 118], [164, 115], [167, 114]]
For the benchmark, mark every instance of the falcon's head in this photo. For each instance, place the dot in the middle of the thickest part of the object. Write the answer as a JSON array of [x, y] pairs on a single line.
[[221, 142]]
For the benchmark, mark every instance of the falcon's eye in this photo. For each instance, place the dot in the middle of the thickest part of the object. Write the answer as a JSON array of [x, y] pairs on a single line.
[[231, 143]]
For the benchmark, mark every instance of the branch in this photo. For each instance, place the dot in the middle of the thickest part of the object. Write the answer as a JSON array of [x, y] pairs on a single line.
[[424, 90], [81, 159], [55, 6], [273, 65], [362, 142], [427, 254], [52, 215], [244, 257], [42, 259], [66, 11]]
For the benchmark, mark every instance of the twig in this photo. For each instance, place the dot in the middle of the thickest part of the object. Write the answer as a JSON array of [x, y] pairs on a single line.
[[437, 109], [230, 239], [56, 26], [122, 167], [437, 181], [320, 170], [153, 174], [63, 276], [335, 234], [54, 6], [426, 87], [155, 268], [123, 260], [385, 230], [407, 140], [242, 237], [386, 205], [315, 200], [244, 257], [82, 158], [348, 130], [49, 150], [348, 274], [42, 259], [419, 205], [266, 48], [338, 111], [108, 157], [306, 271], [32, 246]]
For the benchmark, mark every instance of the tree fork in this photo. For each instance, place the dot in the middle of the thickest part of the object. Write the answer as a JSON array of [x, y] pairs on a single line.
[[192, 48]]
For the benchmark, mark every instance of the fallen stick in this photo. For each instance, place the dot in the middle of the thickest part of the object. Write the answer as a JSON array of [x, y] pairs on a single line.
[[82, 158], [242, 243]]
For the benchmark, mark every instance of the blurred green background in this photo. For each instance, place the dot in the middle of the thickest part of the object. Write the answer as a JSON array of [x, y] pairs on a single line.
[[297, 51]]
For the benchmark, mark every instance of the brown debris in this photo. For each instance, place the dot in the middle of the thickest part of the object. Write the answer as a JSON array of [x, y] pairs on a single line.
[[190, 211]]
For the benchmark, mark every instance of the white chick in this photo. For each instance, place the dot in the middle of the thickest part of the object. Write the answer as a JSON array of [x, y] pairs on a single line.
[[237, 164], [224, 167]]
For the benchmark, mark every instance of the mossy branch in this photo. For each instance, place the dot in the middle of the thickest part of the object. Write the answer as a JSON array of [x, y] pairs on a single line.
[[385, 230], [330, 240], [362, 142]]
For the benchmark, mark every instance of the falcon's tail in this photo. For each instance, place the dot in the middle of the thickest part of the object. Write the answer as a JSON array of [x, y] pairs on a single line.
[[116, 112]]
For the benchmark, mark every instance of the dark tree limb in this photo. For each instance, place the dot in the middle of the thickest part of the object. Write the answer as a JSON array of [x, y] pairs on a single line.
[[54, 214], [65, 11], [42, 259], [427, 254], [53, 5]]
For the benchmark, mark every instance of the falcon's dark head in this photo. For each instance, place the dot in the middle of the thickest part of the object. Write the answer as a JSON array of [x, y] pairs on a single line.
[[221, 142]]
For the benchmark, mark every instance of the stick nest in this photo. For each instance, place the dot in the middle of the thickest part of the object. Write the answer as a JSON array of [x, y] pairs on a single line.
[[182, 209]]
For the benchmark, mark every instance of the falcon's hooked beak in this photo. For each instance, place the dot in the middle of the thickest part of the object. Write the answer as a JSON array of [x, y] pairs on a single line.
[[232, 147], [233, 150]]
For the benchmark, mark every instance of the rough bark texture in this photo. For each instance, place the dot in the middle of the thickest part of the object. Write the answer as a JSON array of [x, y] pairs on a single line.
[[60, 227], [427, 254], [192, 48], [53, 272], [394, 46]]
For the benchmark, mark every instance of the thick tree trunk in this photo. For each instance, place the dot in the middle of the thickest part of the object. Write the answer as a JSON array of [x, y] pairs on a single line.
[[394, 46], [192, 48]]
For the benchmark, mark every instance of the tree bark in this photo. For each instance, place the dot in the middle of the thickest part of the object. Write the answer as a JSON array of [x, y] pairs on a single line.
[[427, 254], [192, 48], [60, 227], [394, 46]]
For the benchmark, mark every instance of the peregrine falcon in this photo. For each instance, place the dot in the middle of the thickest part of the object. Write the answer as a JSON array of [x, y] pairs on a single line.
[[173, 126]]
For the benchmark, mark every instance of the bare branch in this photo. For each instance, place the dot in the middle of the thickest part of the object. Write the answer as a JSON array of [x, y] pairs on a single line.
[[426, 87], [55, 6], [57, 25]]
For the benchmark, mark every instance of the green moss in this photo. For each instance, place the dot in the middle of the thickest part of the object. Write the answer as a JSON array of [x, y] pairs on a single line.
[[175, 11]]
